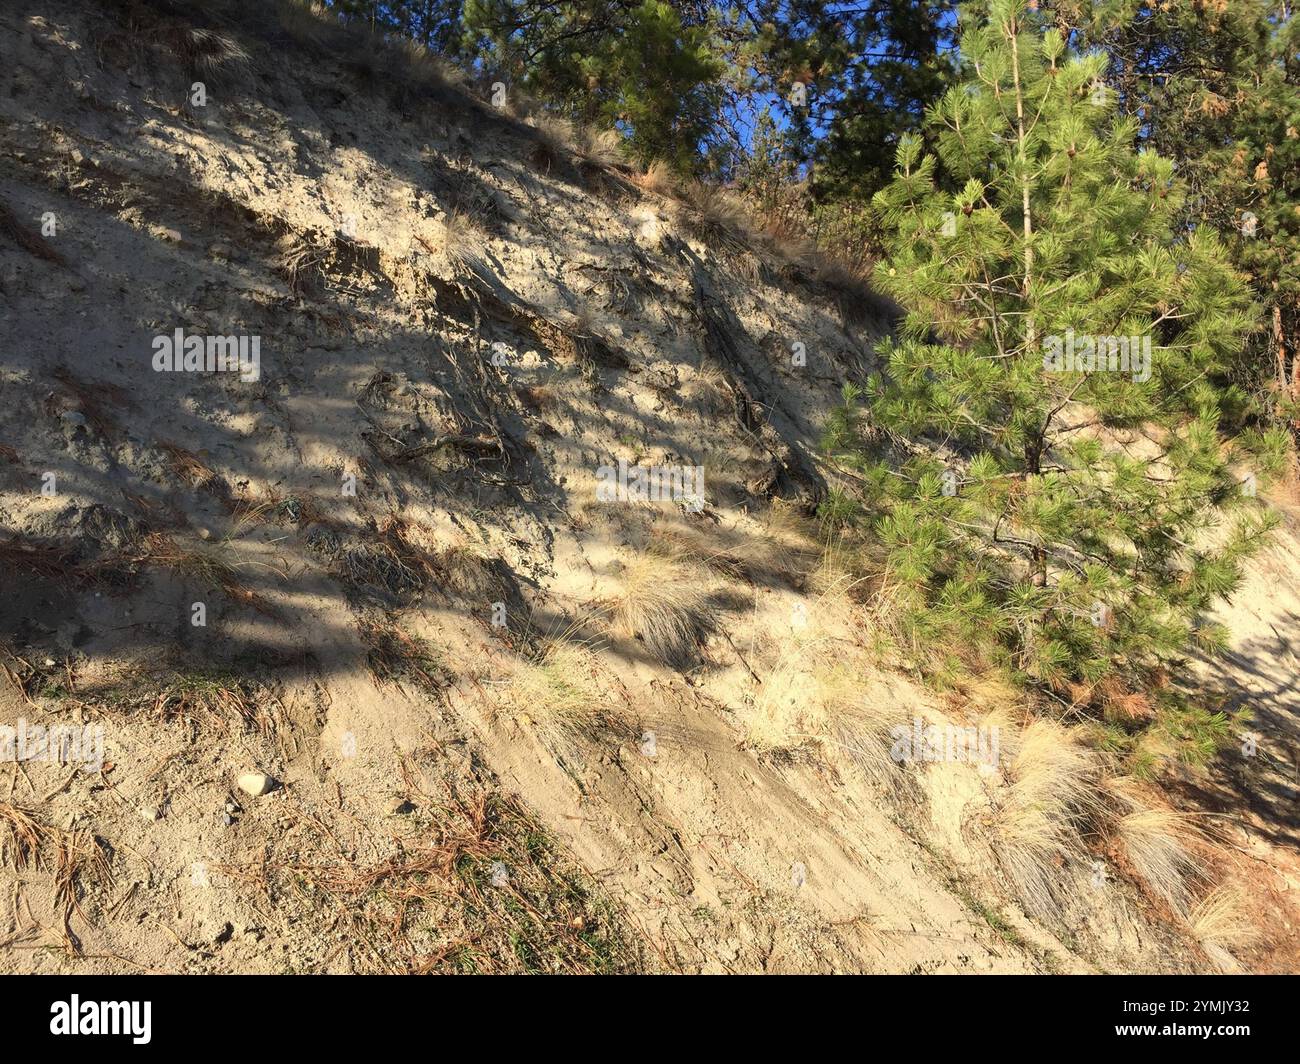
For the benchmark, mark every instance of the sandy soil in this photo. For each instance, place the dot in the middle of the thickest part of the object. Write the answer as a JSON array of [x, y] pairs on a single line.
[[420, 458]]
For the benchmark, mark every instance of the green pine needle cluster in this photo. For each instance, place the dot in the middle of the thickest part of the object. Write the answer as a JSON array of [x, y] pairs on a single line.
[[1069, 520]]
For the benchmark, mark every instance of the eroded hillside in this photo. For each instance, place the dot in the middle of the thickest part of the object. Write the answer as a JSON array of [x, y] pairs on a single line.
[[513, 724]]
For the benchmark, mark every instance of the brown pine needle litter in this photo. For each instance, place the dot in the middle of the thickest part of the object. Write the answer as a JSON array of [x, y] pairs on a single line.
[[476, 887], [77, 858]]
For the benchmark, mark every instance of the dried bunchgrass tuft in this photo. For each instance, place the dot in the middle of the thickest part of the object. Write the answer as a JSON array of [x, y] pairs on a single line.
[[1052, 791], [303, 23], [555, 140], [717, 217], [389, 560], [204, 52], [462, 243], [598, 149], [1221, 923], [562, 691], [661, 179], [1156, 843], [735, 554], [789, 712], [189, 467], [664, 604], [814, 695], [209, 566]]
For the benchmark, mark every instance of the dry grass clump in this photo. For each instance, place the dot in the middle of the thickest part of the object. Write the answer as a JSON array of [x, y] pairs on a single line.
[[555, 136], [80, 861], [203, 51], [598, 148], [388, 561], [736, 554], [421, 68], [303, 23], [404, 69], [709, 389], [717, 217], [192, 470], [661, 179], [849, 286], [663, 603], [814, 696], [475, 887], [1156, 843], [562, 691], [1051, 791], [209, 567], [1221, 922], [462, 243], [845, 571]]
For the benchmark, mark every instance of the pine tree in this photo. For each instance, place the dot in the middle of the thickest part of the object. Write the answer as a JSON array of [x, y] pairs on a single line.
[[636, 64], [1070, 508], [1217, 87]]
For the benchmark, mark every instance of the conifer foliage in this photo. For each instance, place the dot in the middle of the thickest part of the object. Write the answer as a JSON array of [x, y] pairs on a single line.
[[1066, 502]]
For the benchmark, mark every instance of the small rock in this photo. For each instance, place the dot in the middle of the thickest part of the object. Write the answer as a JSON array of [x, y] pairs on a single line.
[[204, 533], [255, 783], [231, 807], [148, 812], [50, 663], [400, 806], [227, 819], [75, 418]]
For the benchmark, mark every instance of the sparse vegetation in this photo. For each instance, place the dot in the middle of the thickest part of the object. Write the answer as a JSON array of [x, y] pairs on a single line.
[[1220, 921], [410, 599], [662, 604], [462, 243], [1157, 843], [476, 886], [1051, 792], [394, 655]]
